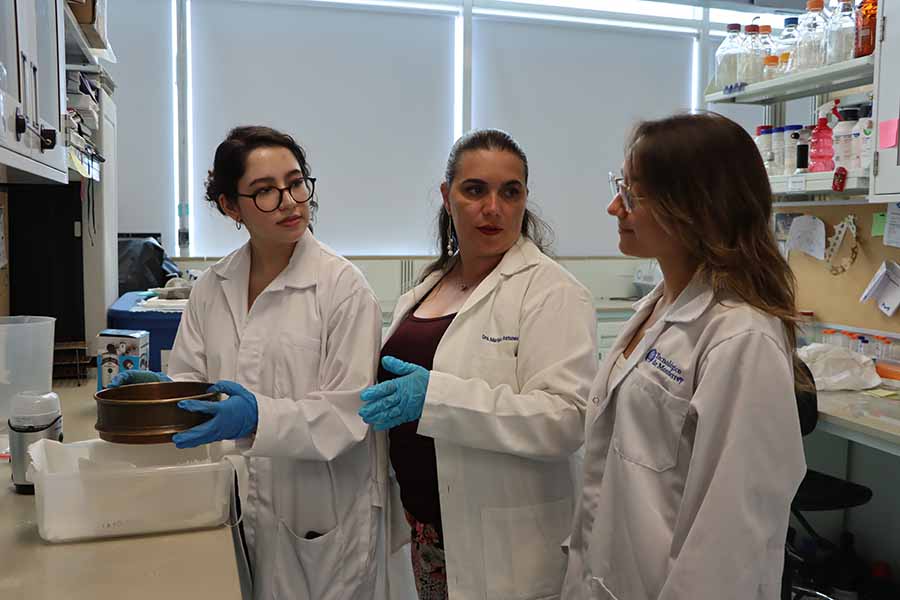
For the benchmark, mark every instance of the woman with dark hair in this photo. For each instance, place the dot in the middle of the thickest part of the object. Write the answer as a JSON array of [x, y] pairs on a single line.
[[484, 378], [693, 449], [290, 331]]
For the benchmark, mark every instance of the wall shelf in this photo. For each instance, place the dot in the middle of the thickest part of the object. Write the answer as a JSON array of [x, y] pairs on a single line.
[[849, 74], [78, 50], [807, 184]]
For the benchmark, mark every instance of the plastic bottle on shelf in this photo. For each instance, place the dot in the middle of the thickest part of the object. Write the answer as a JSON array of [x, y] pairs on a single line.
[[750, 59], [863, 139], [866, 25], [843, 138], [821, 148], [764, 143], [770, 67], [810, 52], [766, 41], [727, 57], [777, 165], [786, 43], [828, 336], [791, 140], [784, 63], [840, 40]]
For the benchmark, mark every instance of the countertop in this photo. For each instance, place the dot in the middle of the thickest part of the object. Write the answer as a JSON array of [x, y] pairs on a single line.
[[861, 418], [194, 564]]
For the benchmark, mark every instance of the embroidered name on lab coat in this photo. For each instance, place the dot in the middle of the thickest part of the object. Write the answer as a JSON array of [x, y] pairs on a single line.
[[502, 338], [668, 368]]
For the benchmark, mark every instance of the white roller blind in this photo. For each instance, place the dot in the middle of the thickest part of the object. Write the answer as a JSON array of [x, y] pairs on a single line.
[[140, 31], [570, 95], [368, 94]]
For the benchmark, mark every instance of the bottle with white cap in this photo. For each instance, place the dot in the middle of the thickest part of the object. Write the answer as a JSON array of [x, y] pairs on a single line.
[[33, 417]]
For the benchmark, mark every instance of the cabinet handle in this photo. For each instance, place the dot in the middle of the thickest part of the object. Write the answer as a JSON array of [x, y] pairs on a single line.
[[37, 106]]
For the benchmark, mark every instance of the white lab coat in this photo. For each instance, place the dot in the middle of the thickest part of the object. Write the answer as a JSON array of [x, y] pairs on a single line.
[[691, 461], [505, 406], [306, 349]]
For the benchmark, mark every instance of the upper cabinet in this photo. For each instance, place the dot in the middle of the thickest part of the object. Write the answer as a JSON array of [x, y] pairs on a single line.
[[886, 163], [32, 91]]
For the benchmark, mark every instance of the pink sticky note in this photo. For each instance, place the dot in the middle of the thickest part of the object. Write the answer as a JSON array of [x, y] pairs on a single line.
[[887, 133]]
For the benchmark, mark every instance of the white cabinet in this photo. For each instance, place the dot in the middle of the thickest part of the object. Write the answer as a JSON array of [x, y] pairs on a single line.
[[887, 101], [32, 90]]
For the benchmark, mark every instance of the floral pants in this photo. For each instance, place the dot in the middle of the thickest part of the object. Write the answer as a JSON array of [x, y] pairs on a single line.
[[429, 566]]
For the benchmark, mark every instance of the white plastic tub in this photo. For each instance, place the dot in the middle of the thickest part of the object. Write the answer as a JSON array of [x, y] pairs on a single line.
[[96, 489]]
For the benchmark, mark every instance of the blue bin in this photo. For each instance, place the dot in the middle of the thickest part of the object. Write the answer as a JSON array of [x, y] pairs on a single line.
[[163, 326]]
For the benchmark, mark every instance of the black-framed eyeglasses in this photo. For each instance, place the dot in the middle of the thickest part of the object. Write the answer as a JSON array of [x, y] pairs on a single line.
[[618, 187], [268, 199]]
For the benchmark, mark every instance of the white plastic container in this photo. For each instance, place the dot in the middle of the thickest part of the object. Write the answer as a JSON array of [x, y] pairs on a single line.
[[843, 138], [764, 144], [727, 57], [790, 148], [777, 165], [26, 359], [95, 489], [864, 138], [841, 34]]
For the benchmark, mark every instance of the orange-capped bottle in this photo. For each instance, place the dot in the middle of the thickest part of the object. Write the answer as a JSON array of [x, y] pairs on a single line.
[[866, 25]]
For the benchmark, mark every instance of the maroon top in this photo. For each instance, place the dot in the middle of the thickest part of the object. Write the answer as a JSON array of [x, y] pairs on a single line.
[[412, 455]]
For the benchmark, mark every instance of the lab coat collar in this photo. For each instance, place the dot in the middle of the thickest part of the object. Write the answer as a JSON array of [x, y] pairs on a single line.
[[693, 301], [521, 256], [301, 271]]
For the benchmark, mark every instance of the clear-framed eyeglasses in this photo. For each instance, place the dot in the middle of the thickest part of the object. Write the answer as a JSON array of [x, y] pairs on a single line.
[[268, 199], [618, 187]]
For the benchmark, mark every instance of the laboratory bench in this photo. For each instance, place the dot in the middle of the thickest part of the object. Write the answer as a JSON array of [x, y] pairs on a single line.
[[862, 419], [193, 564]]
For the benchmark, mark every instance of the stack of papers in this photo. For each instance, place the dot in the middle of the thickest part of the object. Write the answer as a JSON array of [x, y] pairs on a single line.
[[160, 305]]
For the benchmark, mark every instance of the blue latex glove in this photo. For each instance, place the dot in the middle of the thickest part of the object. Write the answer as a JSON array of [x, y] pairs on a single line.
[[233, 418], [397, 401], [133, 377]]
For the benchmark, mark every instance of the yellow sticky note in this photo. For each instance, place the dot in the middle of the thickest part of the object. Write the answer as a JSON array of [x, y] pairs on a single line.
[[881, 393], [879, 220]]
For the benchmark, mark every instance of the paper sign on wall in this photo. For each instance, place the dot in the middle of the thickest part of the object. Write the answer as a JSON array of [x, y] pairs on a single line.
[[887, 133], [892, 227], [885, 288], [807, 234], [879, 220]]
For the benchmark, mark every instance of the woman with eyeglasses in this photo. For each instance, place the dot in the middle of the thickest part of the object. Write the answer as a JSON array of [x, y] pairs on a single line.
[[693, 449], [290, 332], [484, 380]]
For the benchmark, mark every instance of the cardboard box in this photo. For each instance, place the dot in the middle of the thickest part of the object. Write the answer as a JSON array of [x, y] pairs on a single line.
[[121, 350], [92, 17]]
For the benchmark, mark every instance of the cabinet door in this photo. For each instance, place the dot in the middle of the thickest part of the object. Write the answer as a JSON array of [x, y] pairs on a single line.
[[11, 92], [47, 73], [887, 99]]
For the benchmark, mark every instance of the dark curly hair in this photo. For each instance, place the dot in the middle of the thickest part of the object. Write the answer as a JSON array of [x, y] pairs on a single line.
[[231, 161]]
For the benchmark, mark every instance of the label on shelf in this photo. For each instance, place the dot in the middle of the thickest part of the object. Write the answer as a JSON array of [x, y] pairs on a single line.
[[796, 183]]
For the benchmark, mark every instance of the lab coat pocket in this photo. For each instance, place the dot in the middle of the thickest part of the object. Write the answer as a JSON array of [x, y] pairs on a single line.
[[649, 421], [309, 568], [497, 370], [522, 555], [297, 365]]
